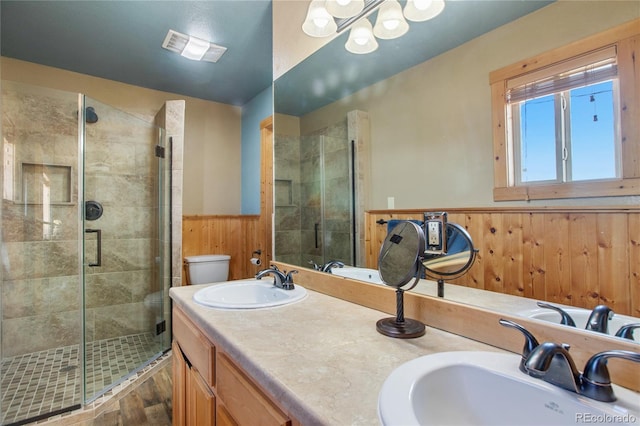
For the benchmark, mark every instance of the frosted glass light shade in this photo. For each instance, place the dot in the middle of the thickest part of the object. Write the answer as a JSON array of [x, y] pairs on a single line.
[[318, 22], [344, 8], [423, 10], [361, 39], [390, 22]]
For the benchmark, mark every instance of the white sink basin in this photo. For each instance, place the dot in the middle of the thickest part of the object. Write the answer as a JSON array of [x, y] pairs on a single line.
[[485, 388], [580, 317], [361, 274], [248, 294]]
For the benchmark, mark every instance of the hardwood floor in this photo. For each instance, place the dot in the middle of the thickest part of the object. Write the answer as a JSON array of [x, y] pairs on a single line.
[[148, 404]]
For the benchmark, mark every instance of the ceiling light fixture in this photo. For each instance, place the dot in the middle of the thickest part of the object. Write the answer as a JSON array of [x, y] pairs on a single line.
[[423, 10], [193, 48], [361, 39], [390, 23], [319, 23], [344, 8], [329, 17]]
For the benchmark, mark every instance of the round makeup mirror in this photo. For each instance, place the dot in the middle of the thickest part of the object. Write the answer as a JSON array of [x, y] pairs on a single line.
[[399, 264], [400, 255], [455, 262]]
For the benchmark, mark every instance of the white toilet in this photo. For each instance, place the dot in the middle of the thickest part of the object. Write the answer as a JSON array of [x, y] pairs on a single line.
[[210, 268]]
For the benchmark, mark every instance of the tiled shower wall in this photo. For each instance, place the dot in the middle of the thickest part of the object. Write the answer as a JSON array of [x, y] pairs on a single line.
[[120, 168], [298, 196], [287, 210], [41, 290], [40, 287], [334, 196]]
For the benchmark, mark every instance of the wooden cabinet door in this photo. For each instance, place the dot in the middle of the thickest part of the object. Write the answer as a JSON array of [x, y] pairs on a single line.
[[201, 403], [196, 347], [180, 370], [243, 399], [223, 417]]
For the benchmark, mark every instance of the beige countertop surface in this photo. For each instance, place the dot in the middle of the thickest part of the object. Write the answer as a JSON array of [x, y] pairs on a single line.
[[321, 358]]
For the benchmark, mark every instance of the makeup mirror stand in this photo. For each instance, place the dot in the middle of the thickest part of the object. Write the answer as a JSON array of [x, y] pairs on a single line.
[[401, 327], [405, 256]]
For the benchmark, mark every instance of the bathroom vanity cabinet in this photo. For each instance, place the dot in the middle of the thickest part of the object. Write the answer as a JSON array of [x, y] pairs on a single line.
[[209, 388], [292, 365], [321, 360]]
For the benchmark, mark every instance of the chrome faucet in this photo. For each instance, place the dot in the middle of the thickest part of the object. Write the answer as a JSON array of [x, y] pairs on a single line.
[[281, 279], [331, 264], [626, 331], [596, 383], [565, 318], [599, 319], [552, 363]]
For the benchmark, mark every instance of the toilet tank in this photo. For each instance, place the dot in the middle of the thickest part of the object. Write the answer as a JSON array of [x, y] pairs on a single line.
[[210, 268]]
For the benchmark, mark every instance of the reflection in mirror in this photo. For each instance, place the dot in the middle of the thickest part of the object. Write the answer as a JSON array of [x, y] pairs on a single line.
[[361, 274], [313, 193], [601, 319], [455, 262], [320, 190], [417, 111], [399, 263]]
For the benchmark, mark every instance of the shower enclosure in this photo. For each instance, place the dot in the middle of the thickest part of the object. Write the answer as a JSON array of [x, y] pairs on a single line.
[[85, 249], [314, 197]]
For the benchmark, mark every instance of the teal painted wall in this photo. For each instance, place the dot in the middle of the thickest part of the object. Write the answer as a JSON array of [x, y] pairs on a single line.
[[253, 112]]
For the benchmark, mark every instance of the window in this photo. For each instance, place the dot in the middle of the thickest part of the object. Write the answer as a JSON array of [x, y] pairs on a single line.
[[559, 128], [562, 121]]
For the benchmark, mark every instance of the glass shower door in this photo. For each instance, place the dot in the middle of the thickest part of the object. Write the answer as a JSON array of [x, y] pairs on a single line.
[[327, 223], [124, 244]]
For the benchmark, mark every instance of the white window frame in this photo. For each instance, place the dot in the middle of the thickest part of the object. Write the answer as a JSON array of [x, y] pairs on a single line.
[[563, 140]]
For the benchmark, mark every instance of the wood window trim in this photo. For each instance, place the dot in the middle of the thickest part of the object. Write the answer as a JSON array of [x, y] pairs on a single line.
[[626, 38], [266, 189]]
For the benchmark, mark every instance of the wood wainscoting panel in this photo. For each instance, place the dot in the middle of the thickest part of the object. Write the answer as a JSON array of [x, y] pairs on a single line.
[[634, 263], [582, 256], [237, 236]]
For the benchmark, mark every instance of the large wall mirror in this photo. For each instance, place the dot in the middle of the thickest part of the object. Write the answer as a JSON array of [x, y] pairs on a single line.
[[418, 111]]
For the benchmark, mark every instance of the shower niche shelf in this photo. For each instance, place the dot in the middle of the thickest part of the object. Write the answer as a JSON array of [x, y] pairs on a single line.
[[45, 184], [284, 193]]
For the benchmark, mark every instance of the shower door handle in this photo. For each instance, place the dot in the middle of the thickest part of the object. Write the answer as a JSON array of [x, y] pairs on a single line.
[[315, 229], [98, 261]]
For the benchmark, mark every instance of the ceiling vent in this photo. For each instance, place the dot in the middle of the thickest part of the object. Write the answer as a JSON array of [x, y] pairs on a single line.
[[192, 48]]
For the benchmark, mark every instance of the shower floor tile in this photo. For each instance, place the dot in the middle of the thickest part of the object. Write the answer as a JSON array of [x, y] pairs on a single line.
[[43, 382]]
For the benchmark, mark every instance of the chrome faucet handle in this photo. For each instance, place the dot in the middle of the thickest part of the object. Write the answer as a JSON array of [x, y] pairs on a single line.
[[314, 265], [288, 281], [596, 382], [626, 331], [331, 264], [530, 342], [289, 277], [565, 318], [278, 277]]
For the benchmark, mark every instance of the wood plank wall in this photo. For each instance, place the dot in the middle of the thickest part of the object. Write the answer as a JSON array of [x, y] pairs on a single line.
[[581, 257], [237, 236]]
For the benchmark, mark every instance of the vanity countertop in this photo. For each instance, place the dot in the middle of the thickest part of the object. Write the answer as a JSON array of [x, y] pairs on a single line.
[[321, 358]]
